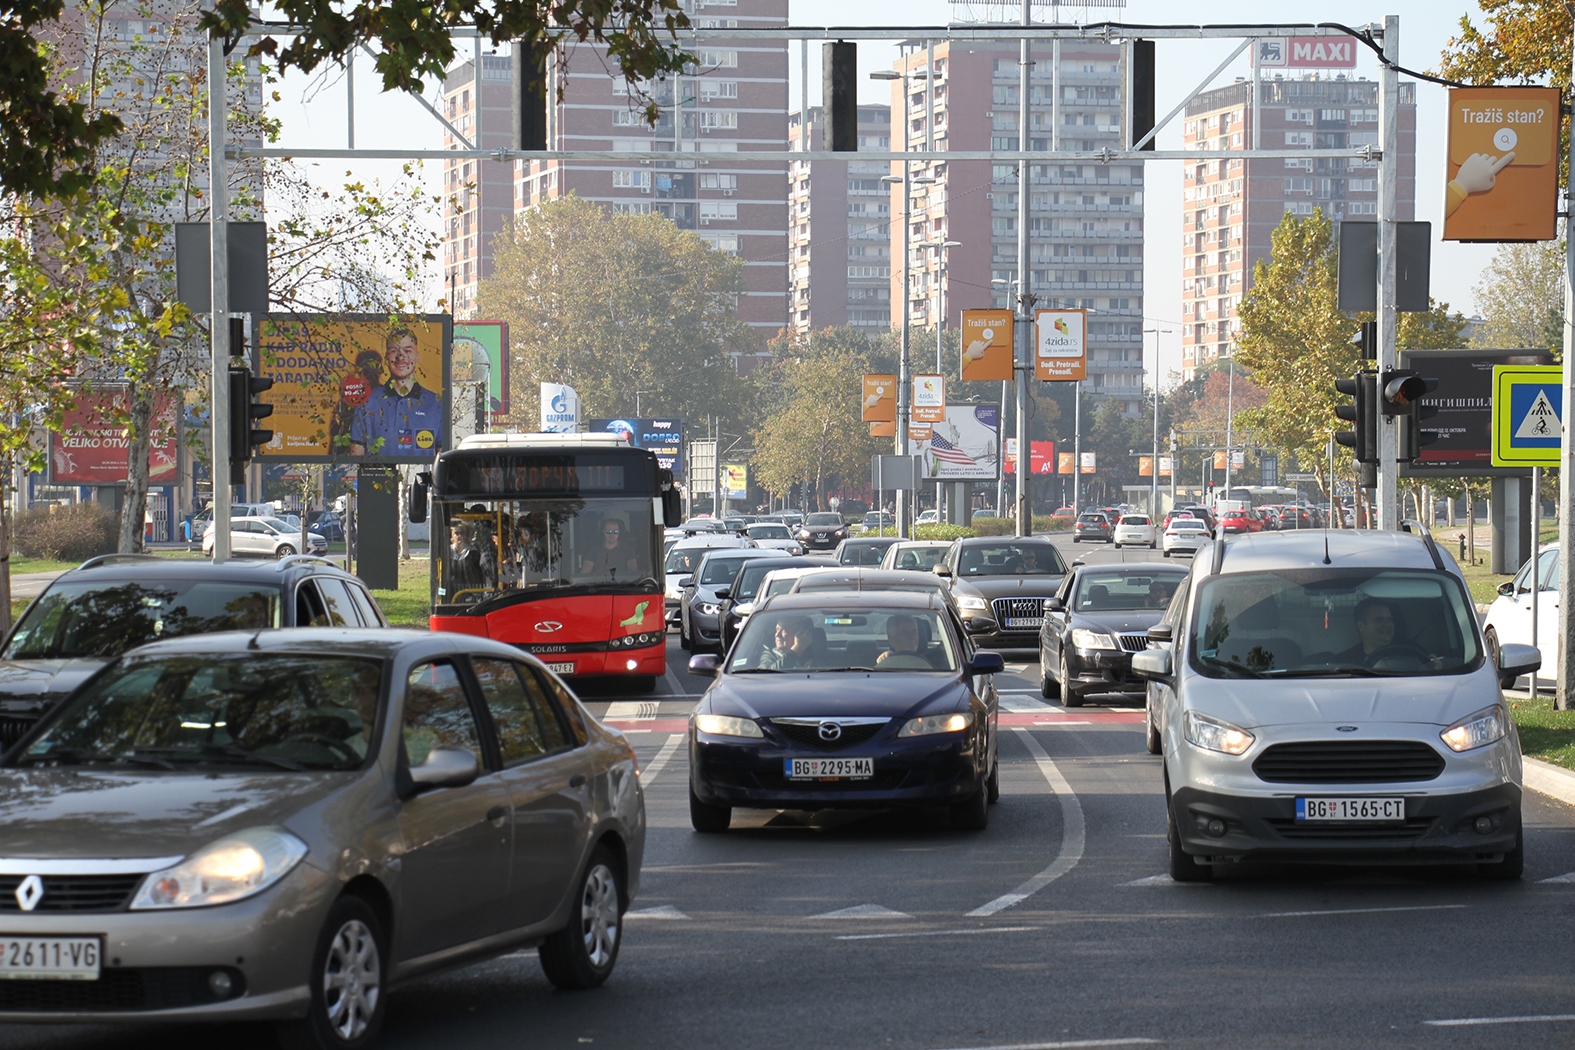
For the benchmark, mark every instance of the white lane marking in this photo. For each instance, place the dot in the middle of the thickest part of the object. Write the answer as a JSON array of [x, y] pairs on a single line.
[[648, 774], [1011, 704], [1072, 1045], [863, 911], [630, 710], [1568, 876], [1360, 911], [1072, 832], [666, 911], [1528, 1019], [932, 933]]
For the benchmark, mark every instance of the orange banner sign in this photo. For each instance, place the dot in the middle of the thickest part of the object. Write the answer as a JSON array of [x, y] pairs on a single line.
[[987, 345], [1503, 165], [880, 399]]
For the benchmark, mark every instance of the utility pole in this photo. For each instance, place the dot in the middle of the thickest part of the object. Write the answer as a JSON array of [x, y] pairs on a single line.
[[1025, 296], [1564, 687], [1388, 241], [219, 275]]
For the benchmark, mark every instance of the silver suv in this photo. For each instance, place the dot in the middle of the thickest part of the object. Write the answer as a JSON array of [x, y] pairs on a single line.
[[1326, 696]]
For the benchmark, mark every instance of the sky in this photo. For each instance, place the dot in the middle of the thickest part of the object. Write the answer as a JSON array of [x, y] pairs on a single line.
[[313, 114]]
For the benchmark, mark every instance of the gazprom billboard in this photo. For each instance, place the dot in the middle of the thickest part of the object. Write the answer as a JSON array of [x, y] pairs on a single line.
[[665, 437]]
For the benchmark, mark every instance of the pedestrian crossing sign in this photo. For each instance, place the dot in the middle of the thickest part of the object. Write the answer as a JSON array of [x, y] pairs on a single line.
[[1528, 415]]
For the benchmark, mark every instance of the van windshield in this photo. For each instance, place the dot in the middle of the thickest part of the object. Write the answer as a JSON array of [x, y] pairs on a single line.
[[1298, 623]]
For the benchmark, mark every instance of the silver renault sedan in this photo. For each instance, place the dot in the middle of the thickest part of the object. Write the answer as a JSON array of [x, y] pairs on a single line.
[[286, 825], [1326, 697]]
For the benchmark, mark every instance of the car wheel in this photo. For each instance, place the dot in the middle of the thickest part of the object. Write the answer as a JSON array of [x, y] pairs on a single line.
[[1154, 545], [684, 641], [284, 550], [1166, 553], [1155, 745], [1491, 637], [1513, 864], [992, 786], [1070, 697], [346, 981], [1117, 545], [583, 953], [1076, 540], [706, 818], [1183, 867], [972, 814], [1049, 688]]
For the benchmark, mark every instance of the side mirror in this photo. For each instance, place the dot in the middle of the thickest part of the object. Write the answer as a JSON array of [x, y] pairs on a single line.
[[986, 662], [1054, 605], [1161, 632], [672, 508], [418, 503], [1152, 663], [980, 625], [445, 766], [705, 665], [1515, 660], [1078, 562], [724, 594], [1507, 588]]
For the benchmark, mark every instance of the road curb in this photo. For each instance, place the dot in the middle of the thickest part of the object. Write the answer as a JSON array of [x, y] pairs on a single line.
[[1550, 779]]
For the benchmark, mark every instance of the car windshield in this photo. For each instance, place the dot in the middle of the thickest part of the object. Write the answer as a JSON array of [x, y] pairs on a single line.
[[280, 525], [921, 558], [838, 640], [823, 519], [862, 553], [1021, 558], [684, 559], [1333, 622], [1186, 525], [748, 583], [1118, 591], [719, 572], [269, 710], [1134, 519], [83, 619], [769, 532]]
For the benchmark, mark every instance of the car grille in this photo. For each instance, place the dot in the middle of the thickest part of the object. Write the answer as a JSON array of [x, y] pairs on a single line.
[[77, 893], [1133, 643], [1018, 608], [809, 736], [128, 989], [1290, 829], [1348, 762], [883, 780]]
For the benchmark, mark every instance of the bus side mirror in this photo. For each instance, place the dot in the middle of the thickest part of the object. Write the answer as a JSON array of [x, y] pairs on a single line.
[[672, 508], [418, 503]]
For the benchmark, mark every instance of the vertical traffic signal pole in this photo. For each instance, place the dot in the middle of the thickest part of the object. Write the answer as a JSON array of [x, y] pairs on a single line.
[[1024, 286], [1388, 270], [1564, 686], [219, 325]]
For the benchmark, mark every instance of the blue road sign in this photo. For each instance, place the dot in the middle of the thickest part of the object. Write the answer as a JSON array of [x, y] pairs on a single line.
[[1528, 415]]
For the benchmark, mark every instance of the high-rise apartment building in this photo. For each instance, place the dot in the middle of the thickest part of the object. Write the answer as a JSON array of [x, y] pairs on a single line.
[[839, 229], [478, 195], [1232, 206], [1086, 219], [734, 100]]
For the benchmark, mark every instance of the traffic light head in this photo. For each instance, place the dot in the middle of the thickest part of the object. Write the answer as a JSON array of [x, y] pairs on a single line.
[[1361, 413], [1412, 437], [1401, 389], [244, 411]]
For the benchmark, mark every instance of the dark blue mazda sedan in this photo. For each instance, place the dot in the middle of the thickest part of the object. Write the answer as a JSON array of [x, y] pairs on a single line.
[[846, 700]]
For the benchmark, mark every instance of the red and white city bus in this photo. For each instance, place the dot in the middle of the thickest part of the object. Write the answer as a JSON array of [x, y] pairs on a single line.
[[553, 542]]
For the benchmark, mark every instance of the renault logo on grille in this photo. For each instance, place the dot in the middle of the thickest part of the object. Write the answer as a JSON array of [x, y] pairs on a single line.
[[548, 626], [829, 731], [30, 892]]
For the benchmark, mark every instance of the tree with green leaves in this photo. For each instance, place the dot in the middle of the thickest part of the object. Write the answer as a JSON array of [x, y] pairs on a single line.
[[627, 309], [1521, 297]]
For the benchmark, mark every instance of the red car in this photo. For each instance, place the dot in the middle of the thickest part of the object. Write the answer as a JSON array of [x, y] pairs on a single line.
[[1241, 521]]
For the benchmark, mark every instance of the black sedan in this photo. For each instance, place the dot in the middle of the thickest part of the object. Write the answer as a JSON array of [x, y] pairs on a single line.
[[1000, 583], [821, 532], [1094, 624], [846, 700]]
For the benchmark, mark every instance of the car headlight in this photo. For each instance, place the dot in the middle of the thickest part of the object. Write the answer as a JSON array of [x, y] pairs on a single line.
[[230, 869], [1215, 734], [929, 725], [970, 601], [1475, 731], [708, 608], [728, 725], [1082, 639]]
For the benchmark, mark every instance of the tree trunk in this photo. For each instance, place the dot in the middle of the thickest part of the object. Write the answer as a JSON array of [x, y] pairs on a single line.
[[404, 516], [5, 547], [139, 405]]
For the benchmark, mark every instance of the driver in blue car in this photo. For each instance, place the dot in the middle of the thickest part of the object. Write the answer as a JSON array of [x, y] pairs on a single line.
[[902, 635]]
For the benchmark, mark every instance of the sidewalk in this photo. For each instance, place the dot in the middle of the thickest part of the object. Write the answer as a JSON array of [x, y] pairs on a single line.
[[1554, 781], [32, 584]]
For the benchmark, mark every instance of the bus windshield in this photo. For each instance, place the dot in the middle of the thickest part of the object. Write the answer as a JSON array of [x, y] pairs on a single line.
[[496, 546]]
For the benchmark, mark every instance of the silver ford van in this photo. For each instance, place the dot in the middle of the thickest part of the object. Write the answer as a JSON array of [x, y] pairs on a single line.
[[1326, 696]]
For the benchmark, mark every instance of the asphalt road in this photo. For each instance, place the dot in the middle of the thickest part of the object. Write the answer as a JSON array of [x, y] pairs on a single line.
[[1056, 927]]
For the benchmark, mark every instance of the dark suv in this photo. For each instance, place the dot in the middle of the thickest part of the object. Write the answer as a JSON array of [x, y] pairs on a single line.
[[116, 602]]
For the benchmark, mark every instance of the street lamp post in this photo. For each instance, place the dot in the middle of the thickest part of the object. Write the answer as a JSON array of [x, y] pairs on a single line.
[[1153, 479], [940, 325], [904, 383]]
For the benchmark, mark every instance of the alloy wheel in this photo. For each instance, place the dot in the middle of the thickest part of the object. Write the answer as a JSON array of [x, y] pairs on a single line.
[[599, 916], [352, 980]]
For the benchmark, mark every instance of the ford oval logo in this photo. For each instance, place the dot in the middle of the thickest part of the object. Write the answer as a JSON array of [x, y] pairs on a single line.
[[548, 626], [1345, 729]]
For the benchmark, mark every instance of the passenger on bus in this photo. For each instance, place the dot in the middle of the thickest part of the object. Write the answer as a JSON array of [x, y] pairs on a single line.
[[464, 559]]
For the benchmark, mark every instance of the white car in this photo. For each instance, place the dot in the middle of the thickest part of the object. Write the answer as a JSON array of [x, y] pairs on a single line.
[[1135, 530], [1508, 619], [929, 517], [773, 535], [273, 537], [683, 557], [777, 581], [921, 555], [1185, 535]]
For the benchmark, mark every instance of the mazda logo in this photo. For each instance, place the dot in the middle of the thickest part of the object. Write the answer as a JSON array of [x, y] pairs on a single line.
[[830, 731], [548, 626]]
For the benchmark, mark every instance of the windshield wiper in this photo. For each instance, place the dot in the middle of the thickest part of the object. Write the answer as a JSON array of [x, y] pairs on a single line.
[[759, 670], [1227, 665], [80, 754], [1337, 672], [228, 751]]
